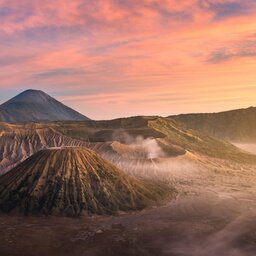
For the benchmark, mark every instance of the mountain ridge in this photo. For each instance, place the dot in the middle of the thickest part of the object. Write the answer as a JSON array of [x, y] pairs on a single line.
[[234, 125], [19, 141], [37, 106]]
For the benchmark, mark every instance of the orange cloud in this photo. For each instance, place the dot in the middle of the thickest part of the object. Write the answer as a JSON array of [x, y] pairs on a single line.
[[131, 57]]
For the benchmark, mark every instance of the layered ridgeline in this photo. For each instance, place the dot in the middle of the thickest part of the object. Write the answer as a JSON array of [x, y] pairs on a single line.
[[114, 139], [235, 125], [198, 142], [35, 106], [168, 132], [73, 181], [19, 141]]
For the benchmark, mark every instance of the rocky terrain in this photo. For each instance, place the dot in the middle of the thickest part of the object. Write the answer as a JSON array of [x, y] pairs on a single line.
[[115, 140], [18, 142], [206, 183], [73, 181], [213, 214], [234, 125]]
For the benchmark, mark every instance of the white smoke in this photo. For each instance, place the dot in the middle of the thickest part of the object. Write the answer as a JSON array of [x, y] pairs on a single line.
[[151, 147], [156, 164]]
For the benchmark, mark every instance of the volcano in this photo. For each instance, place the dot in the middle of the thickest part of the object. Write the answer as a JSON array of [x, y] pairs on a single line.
[[72, 182], [36, 106]]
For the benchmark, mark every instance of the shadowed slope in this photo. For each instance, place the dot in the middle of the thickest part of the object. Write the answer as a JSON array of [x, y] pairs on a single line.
[[34, 106], [73, 181], [235, 125], [198, 142]]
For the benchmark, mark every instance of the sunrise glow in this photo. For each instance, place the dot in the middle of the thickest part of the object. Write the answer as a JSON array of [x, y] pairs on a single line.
[[113, 58]]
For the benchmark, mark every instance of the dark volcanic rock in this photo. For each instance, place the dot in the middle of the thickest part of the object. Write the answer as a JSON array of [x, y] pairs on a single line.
[[73, 181], [35, 106]]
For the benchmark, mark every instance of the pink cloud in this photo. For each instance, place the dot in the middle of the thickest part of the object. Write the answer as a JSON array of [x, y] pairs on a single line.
[[116, 52]]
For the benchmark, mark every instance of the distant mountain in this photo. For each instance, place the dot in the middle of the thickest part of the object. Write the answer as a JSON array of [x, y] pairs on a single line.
[[74, 181], [36, 106], [235, 125]]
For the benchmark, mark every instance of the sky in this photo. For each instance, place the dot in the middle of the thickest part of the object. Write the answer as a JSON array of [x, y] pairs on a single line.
[[116, 58]]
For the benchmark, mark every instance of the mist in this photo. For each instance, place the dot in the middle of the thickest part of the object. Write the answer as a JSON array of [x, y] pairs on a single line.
[[149, 145], [228, 241], [249, 147], [211, 215]]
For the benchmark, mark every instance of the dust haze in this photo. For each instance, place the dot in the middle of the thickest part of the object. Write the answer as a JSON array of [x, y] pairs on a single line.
[[249, 147], [149, 145], [215, 202], [212, 214]]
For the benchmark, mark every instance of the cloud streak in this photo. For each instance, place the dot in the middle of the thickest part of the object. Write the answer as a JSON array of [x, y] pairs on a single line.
[[60, 72], [234, 50], [129, 48]]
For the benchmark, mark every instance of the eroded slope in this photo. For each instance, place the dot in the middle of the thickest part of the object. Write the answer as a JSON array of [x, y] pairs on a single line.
[[73, 181]]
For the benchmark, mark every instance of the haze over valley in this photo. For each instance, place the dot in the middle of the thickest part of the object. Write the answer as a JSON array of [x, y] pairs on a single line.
[[192, 186], [128, 128]]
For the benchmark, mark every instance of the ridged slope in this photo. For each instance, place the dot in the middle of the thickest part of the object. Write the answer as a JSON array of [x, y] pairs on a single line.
[[19, 142], [198, 142], [73, 181], [235, 125], [36, 106]]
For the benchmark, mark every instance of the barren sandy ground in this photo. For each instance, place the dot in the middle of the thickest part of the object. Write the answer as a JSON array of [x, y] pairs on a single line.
[[214, 214], [249, 147]]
